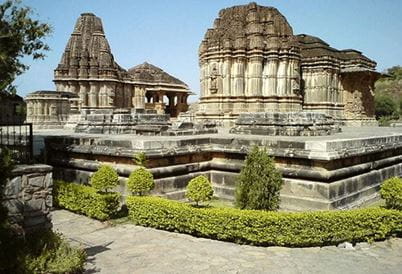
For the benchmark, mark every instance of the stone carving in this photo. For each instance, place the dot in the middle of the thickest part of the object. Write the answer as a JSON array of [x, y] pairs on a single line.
[[88, 68], [264, 64], [49, 109], [213, 77]]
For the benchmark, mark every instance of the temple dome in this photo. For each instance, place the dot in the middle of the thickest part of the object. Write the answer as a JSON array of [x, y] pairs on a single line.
[[149, 73], [238, 26]]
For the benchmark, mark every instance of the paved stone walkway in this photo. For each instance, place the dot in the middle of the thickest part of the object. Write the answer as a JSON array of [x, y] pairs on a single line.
[[128, 248]]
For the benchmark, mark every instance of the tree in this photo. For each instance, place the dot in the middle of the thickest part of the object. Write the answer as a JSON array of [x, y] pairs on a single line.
[[104, 179], [199, 189], [140, 181], [20, 36], [259, 182], [140, 159], [385, 106]]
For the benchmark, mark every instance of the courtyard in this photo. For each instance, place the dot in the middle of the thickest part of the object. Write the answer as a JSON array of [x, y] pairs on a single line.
[[126, 248]]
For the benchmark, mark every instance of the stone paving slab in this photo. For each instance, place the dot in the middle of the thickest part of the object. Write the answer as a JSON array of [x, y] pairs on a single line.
[[128, 248]]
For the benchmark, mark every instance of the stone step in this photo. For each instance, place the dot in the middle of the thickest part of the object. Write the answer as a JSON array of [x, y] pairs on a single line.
[[175, 195], [224, 192]]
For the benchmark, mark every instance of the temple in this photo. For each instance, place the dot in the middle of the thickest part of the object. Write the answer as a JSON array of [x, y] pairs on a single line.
[[250, 61], [87, 69]]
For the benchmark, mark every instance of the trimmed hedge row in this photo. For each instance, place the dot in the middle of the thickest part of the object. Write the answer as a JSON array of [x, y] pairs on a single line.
[[263, 227], [85, 200]]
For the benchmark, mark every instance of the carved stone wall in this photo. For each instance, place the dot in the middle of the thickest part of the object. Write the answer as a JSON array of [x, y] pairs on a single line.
[[28, 198], [49, 109], [250, 61], [358, 93], [88, 69]]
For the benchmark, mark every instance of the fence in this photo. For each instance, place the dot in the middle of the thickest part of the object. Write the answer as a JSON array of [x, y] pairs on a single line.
[[18, 139]]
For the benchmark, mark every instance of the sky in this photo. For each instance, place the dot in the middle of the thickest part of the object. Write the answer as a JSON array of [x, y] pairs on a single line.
[[167, 33]]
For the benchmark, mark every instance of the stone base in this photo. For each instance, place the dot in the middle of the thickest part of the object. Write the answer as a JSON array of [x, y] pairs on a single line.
[[122, 121], [324, 172], [285, 124], [367, 122]]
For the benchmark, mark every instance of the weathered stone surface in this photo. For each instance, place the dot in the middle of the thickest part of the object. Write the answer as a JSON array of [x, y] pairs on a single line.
[[251, 61], [28, 197], [285, 124], [321, 172]]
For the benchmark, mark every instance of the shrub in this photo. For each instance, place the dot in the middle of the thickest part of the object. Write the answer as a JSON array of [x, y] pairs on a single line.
[[385, 106], [199, 189], [50, 253], [140, 181], [43, 252], [265, 228], [105, 178], [259, 182], [140, 159], [391, 192], [85, 200]]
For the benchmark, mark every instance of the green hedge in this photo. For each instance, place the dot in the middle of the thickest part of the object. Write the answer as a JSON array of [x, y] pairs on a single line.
[[264, 227], [85, 200]]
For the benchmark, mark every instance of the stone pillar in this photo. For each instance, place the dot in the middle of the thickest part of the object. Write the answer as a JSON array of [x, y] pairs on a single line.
[[83, 90], [239, 73], [111, 95], [140, 97], [254, 87], [93, 94], [282, 77], [271, 79], [226, 74], [102, 96], [127, 96]]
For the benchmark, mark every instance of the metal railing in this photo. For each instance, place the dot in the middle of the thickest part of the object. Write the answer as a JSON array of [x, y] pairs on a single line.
[[18, 139]]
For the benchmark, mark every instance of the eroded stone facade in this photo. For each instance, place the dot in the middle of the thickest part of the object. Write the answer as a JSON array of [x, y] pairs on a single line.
[[250, 61], [49, 109], [88, 68]]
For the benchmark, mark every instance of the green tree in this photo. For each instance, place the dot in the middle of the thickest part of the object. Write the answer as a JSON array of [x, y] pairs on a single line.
[[140, 159], [259, 182], [385, 106], [104, 179], [395, 72], [20, 36], [199, 189], [140, 181]]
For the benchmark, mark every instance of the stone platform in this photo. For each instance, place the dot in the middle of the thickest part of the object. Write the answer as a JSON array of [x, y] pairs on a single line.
[[343, 170], [300, 123]]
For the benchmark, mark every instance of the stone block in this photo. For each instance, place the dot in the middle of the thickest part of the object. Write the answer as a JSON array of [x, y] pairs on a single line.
[[13, 187], [36, 181], [14, 206], [34, 205]]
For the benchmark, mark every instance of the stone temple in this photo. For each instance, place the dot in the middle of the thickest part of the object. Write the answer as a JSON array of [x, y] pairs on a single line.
[[88, 70], [251, 61], [309, 104]]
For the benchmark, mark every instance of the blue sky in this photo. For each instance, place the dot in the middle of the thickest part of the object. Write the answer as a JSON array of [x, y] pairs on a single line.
[[167, 33]]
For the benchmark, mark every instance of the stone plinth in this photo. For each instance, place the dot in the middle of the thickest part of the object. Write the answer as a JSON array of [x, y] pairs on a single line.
[[322, 172], [28, 198], [122, 121], [285, 124]]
